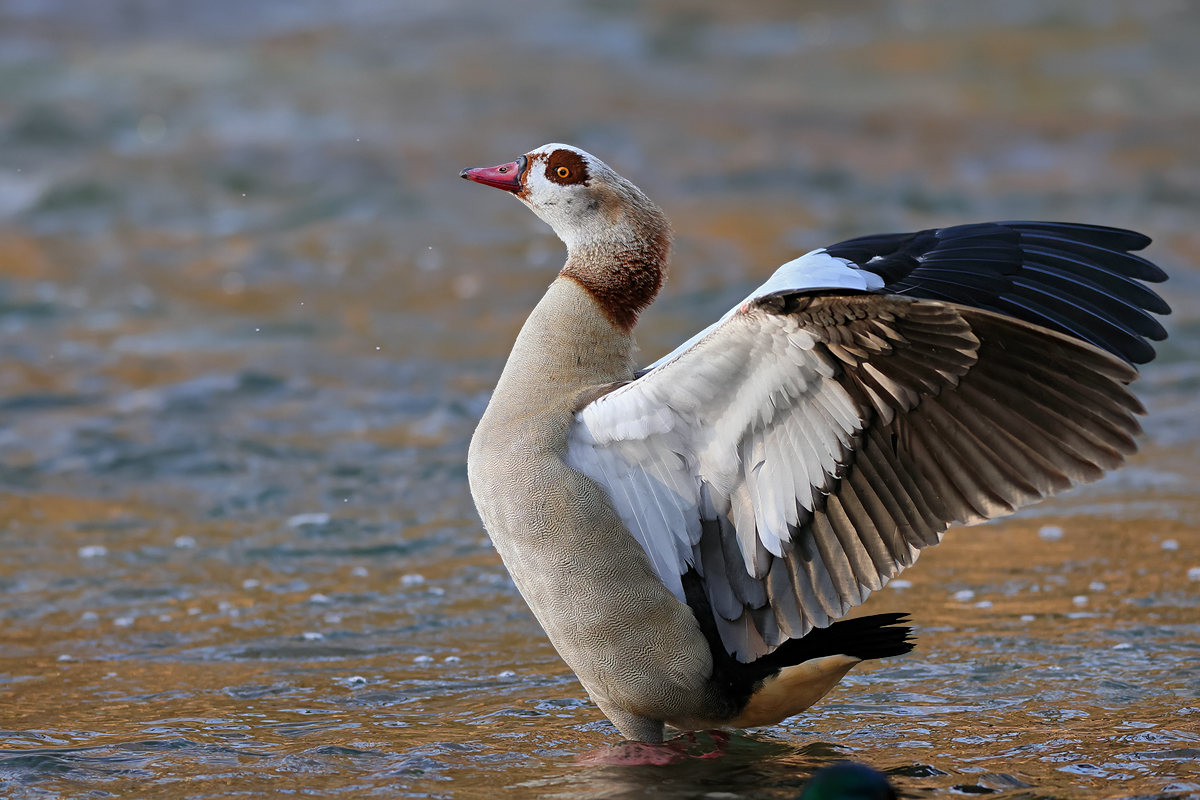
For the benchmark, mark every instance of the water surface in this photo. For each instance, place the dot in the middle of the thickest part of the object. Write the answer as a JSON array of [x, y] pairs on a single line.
[[249, 316]]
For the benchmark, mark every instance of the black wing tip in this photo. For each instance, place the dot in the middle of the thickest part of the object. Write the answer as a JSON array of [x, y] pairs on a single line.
[[1080, 279], [1102, 235], [869, 637], [878, 636], [1110, 248]]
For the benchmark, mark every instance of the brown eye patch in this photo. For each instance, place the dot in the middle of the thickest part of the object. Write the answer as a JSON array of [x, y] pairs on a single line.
[[566, 167]]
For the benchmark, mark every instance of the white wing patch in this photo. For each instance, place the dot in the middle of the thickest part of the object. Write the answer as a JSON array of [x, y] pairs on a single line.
[[819, 270], [750, 413], [813, 271]]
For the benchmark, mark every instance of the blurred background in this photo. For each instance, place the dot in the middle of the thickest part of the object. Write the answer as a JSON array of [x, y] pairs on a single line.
[[249, 316]]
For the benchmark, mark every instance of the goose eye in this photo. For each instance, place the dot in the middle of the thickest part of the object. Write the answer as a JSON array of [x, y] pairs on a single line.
[[563, 172], [502, 169]]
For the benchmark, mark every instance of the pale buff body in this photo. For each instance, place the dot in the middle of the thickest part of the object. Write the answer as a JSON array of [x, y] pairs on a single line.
[[636, 648]]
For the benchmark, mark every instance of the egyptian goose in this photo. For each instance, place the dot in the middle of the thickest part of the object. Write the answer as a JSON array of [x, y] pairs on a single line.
[[689, 534]]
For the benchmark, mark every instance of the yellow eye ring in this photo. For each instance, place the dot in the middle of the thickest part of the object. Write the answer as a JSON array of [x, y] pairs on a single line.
[[563, 172]]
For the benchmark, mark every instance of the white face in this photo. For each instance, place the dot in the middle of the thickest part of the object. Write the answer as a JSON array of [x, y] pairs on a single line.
[[575, 192]]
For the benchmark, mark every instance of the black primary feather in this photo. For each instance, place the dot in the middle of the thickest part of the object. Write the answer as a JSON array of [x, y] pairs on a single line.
[[1077, 279]]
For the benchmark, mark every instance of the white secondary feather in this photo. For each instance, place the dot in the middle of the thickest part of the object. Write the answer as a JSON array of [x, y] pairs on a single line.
[[750, 411]]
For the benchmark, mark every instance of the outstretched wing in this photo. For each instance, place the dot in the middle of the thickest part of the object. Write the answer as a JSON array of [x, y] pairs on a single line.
[[802, 451], [1076, 279]]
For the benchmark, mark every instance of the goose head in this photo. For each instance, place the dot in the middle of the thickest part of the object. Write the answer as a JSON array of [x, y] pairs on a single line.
[[617, 240]]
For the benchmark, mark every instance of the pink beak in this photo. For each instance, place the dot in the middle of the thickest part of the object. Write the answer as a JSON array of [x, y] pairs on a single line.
[[506, 176]]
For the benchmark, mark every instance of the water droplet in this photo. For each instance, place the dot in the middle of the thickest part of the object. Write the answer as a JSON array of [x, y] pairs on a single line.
[[1080, 600], [184, 542], [93, 551], [900, 584], [1050, 533], [423, 659], [964, 596], [318, 518], [1169, 544]]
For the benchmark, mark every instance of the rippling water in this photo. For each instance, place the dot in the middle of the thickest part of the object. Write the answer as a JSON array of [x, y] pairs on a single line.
[[249, 317]]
